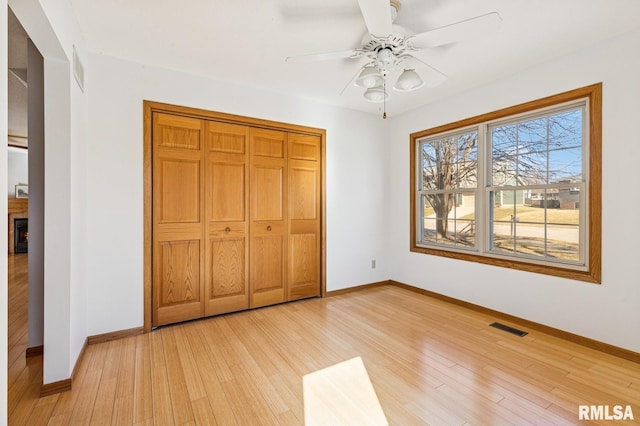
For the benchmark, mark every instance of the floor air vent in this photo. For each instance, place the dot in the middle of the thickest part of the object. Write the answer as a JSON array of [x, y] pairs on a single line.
[[509, 329]]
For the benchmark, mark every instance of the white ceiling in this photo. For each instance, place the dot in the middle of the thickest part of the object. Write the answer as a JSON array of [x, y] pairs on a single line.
[[247, 41]]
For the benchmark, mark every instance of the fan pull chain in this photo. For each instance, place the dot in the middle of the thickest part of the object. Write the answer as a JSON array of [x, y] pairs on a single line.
[[384, 99]]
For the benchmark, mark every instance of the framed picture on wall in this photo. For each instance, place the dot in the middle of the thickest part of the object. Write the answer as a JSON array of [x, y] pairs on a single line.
[[22, 191]]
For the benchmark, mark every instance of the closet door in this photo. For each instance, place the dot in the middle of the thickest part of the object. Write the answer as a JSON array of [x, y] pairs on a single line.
[[178, 249], [227, 218], [304, 216], [268, 227]]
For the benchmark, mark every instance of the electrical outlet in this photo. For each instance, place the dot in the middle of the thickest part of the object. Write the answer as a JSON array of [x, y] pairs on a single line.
[[373, 264]]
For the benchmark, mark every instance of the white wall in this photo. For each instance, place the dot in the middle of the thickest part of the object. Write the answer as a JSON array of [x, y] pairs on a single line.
[[356, 179], [609, 312], [17, 169]]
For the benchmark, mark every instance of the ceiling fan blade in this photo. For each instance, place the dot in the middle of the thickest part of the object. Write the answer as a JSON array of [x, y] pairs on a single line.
[[432, 76], [353, 79], [468, 29], [323, 56], [377, 16]]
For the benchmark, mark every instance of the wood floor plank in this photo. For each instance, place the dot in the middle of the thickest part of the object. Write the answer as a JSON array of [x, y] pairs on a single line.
[[42, 410], [102, 412], [122, 411], [429, 362], [162, 403], [182, 411], [84, 404], [202, 412], [193, 382], [23, 408], [142, 388], [127, 368], [220, 405]]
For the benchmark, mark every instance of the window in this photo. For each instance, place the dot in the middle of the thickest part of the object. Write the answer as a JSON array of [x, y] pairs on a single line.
[[518, 188]]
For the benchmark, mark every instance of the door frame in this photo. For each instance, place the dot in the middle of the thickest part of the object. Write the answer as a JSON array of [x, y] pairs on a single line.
[[150, 107]]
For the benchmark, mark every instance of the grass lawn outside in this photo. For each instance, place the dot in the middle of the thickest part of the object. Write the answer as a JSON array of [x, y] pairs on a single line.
[[530, 243], [525, 214]]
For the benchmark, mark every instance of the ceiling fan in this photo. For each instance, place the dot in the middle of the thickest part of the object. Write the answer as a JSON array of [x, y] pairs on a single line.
[[390, 48]]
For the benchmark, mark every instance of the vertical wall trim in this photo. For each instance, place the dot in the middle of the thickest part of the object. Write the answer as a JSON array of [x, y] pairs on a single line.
[[35, 320], [3, 210]]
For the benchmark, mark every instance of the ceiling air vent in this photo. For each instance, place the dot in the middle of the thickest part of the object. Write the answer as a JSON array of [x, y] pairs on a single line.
[[78, 69]]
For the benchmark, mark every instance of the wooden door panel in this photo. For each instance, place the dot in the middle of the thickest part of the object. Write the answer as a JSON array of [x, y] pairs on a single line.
[[176, 132], [267, 270], [303, 190], [227, 281], [178, 191], [226, 191], [177, 281], [178, 249], [304, 261], [304, 217], [227, 257], [268, 227], [304, 268], [267, 263], [267, 188], [268, 143], [226, 138], [304, 147], [227, 224], [179, 268]]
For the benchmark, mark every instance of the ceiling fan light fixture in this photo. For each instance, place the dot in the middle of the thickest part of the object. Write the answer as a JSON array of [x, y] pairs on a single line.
[[369, 77], [386, 59], [408, 80], [376, 94]]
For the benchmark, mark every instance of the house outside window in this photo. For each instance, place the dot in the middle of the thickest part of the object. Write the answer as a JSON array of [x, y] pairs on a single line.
[[519, 187]]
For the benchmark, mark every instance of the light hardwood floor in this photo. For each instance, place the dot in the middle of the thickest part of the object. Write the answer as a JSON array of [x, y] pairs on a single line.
[[430, 363]]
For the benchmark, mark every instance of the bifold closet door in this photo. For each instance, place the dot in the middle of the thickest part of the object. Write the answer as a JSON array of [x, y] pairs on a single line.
[[227, 218], [236, 217], [178, 249], [268, 225]]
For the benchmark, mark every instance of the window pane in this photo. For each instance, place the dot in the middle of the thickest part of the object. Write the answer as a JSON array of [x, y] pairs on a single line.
[[463, 225], [565, 129], [502, 141], [538, 151], [467, 147], [467, 174], [449, 219], [539, 229], [565, 165], [563, 227], [532, 136], [428, 166], [429, 235], [450, 162]]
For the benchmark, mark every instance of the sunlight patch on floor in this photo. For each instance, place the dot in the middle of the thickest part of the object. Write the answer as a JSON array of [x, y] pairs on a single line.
[[341, 394]]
